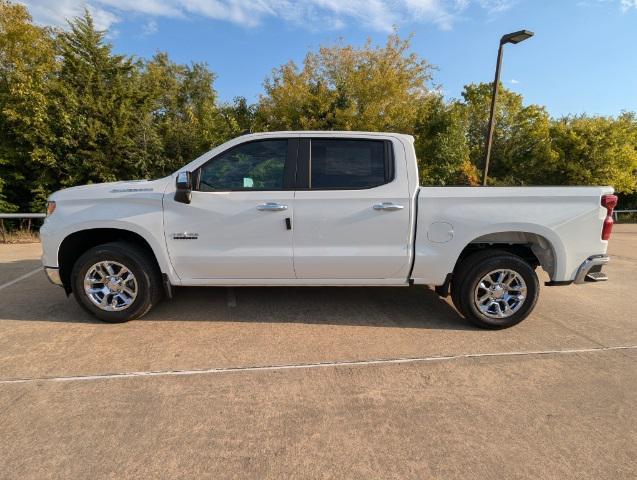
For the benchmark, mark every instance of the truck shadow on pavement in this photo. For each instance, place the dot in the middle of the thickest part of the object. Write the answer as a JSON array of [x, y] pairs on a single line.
[[413, 307], [35, 299]]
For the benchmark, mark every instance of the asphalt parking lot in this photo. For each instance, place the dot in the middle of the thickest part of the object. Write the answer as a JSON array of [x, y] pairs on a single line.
[[318, 383]]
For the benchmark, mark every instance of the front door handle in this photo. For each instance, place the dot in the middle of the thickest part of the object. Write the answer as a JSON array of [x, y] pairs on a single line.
[[388, 206], [271, 207]]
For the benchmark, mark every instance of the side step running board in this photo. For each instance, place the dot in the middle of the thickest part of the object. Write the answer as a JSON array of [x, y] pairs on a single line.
[[596, 277]]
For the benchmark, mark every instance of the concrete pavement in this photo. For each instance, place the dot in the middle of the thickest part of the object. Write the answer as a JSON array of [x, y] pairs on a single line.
[[548, 415]]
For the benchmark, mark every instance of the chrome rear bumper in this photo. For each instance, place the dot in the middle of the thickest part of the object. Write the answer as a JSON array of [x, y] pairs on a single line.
[[591, 269]]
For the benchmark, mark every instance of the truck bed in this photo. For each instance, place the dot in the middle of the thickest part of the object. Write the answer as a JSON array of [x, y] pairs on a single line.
[[449, 219]]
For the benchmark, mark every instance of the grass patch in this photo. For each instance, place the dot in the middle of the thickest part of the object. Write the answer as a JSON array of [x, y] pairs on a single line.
[[20, 236]]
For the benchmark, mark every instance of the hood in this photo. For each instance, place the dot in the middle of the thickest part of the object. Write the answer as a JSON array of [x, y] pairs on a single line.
[[110, 189]]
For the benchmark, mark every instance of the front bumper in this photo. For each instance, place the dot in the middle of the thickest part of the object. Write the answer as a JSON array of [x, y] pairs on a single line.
[[591, 269], [53, 274]]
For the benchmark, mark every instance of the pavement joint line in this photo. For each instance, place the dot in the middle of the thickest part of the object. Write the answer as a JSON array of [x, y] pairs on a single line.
[[26, 275], [301, 366]]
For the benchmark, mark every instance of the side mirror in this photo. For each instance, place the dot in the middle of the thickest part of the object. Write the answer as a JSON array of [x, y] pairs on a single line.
[[183, 193]]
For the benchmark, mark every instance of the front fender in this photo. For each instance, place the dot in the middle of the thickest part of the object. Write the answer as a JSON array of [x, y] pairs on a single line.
[[140, 214]]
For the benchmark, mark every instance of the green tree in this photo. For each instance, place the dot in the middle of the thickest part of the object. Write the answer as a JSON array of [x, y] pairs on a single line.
[[239, 117], [521, 152], [345, 88], [597, 151], [442, 145], [27, 64], [73, 112], [96, 103], [183, 111]]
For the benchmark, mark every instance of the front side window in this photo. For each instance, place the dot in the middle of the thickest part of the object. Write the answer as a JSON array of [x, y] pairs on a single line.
[[343, 164], [255, 165]]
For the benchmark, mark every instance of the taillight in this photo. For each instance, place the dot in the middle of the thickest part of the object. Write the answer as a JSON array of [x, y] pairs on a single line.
[[609, 202]]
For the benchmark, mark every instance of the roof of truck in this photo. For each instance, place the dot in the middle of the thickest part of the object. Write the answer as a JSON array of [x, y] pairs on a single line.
[[338, 133]]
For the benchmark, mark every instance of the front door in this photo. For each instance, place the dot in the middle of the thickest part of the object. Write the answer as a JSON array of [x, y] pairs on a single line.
[[237, 224], [351, 208]]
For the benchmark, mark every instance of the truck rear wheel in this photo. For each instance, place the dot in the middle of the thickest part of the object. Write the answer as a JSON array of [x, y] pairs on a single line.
[[495, 289], [116, 282]]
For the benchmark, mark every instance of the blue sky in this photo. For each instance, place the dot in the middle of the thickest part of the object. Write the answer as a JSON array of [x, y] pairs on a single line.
[[582, 59]]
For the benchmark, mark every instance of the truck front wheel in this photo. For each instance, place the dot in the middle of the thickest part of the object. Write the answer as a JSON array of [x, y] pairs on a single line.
[[494, 289], [116, 282]]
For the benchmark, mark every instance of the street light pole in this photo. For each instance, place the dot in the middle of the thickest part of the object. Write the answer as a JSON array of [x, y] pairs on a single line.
[[515, 37], [494, 99]]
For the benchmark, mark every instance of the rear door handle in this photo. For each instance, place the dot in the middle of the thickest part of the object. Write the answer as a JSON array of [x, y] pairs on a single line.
[[272, 207], [388, 206]]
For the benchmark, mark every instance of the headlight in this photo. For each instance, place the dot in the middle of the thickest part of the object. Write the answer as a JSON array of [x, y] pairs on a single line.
[[50, 208]]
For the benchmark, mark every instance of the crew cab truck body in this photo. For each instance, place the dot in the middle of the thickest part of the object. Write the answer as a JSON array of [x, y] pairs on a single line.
[[317, 209]]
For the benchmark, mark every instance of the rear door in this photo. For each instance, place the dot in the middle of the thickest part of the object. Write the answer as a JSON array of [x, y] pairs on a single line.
[[237, 225], [351, 209]]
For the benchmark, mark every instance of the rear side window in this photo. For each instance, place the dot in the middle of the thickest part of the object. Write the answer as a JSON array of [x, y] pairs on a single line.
[[349, 164]]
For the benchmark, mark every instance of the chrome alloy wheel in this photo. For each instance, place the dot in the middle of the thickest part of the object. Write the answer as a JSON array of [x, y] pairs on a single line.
[[110, 285], [500, 293]]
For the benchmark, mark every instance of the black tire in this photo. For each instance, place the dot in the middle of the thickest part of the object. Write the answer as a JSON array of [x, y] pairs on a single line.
[[138, 261], [471, 271]]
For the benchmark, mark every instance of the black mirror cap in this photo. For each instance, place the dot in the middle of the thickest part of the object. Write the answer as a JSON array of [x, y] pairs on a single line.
[[183, 184]]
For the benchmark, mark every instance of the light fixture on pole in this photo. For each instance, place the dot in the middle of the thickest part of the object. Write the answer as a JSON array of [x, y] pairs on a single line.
[[515, 37]]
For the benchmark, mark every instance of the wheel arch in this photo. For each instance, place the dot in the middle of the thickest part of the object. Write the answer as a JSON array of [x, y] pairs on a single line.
[[77, 243], [533, 247]]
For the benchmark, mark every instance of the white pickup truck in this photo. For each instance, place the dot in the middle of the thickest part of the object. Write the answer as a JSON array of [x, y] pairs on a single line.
[[321, 209]]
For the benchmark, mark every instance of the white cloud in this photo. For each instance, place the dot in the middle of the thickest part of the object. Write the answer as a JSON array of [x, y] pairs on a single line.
[[149, 28], [496, 6], [58, 12], [379, 15], [514, 81], [625, 5], [628, 4]]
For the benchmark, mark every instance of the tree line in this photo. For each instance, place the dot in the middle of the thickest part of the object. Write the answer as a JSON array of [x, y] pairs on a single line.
[[74, 112]]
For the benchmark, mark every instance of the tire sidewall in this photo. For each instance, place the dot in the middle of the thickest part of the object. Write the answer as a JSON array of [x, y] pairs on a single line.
[[478, 271], [112, 253]]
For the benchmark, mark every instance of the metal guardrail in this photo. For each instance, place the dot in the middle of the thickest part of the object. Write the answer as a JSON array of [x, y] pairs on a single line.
[[22, 215], [9, 216], [616, 212]]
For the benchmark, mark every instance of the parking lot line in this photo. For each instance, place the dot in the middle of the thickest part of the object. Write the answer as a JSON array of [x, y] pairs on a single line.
[[352, 363], [26, 275]]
